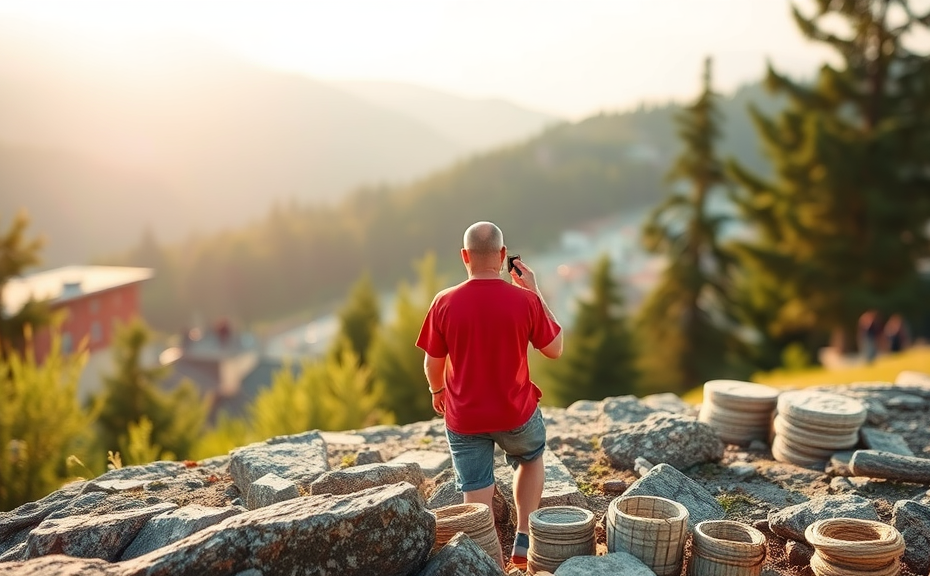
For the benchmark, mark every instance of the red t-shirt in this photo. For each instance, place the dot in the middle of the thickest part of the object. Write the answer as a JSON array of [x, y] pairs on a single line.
[[485, 327]]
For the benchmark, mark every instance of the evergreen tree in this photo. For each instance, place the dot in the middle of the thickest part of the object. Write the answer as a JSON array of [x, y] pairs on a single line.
[[841, 225], [41, 423], [681, 325], [332, 394], [132, 393], [395, 359], [599, 355], [359, 398], [358, 321], [17, 254], [296, 401]]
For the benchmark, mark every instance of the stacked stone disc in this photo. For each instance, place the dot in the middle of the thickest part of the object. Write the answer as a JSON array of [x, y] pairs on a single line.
[[739, 412], [811, 426]]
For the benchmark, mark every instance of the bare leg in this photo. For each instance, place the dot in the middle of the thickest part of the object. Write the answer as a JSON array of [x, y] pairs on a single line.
[[527, 491], [486, 496]]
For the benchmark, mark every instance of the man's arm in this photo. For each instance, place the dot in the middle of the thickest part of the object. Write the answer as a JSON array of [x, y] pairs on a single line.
[[528, 280], [554, 348], [435, 370]]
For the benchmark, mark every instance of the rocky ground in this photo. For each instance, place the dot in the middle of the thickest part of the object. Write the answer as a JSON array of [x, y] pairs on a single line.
[[592, 442]]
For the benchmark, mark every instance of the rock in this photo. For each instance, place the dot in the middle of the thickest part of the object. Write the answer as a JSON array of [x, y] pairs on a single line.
[[270, 489], [174, 525], [798, 553], [342, 439], [368, 457], [641, 466], [619, 410], [61, 565], [611, 564], [461, 557], [669, 402], [446, 494], [356, 478], [791, 522], [913, 522], [384, 530], [913, 378], [676, 440], [906, 402], [615, 486], [30, 514], [876, 439], [152, 471], [741, 470], [841, 484], [839, 464], [96, 503], [300, 458], [665, 481], [758, 446], [113, 486], [875, 464], [430, 461], [102, 536]]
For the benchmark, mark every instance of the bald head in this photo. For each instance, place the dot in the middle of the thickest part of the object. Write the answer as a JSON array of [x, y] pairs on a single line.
[[483, 239]]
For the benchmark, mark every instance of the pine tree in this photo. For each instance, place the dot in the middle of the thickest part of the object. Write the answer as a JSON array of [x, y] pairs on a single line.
[[682, 324], [840, 226], [296, 401], [41, 422], [132, 392], [17, 254], [358, 321], [395, 359], [330, 394], [599, 357]]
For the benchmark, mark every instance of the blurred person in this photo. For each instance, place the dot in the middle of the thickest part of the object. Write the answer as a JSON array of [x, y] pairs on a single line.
[[476, 337], [870, 335], [897, 336]]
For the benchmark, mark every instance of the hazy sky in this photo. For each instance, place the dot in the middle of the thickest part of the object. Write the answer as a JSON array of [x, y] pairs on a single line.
[[567, 57]]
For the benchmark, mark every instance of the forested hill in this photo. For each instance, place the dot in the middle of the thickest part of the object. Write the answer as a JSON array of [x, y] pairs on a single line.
[[301, 257]]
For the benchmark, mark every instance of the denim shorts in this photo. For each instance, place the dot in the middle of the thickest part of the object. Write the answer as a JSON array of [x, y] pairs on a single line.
[[473, 454]]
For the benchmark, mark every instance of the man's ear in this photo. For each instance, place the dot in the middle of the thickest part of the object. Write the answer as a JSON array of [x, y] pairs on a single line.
[[465, 258]]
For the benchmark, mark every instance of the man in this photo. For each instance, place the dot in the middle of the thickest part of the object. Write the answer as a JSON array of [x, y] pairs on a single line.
[[476, 336]]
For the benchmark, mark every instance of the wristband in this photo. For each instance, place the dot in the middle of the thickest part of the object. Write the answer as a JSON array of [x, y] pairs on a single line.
[[431, 391]]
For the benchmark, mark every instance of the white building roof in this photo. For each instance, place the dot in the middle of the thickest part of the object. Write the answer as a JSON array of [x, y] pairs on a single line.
[[62, 284]]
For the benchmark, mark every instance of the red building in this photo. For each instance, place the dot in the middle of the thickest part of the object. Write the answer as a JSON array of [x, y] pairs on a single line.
[[94, 299]]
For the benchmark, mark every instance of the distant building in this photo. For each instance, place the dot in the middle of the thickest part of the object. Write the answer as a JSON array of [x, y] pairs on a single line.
[[95, 299], [227, 366]]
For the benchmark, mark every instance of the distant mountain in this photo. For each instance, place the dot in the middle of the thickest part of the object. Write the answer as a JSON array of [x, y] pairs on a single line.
[[99, 141], [475, 124]]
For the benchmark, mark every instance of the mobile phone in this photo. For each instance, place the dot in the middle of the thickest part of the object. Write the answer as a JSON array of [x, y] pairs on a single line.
[[510, 265]]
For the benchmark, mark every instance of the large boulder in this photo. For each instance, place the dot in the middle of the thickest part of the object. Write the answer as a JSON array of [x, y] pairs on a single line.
[[174, 525], [680, 441], [385, 531], [16, 524], [667, 482], [102, 536], [300, 458], [791, 522], [356, 478], [61, 565]]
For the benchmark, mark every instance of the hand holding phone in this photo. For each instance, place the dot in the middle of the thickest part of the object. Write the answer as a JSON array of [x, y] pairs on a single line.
[[510, 266]]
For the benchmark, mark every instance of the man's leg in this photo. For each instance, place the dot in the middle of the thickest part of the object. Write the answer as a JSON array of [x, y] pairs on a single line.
[[486, 496], [527, 491]]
